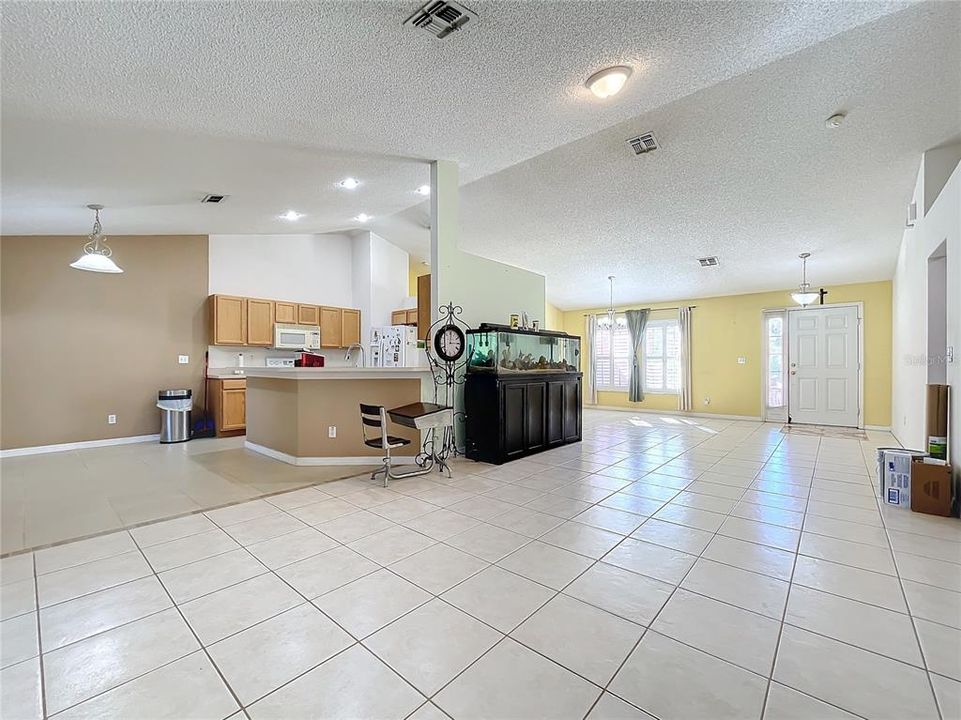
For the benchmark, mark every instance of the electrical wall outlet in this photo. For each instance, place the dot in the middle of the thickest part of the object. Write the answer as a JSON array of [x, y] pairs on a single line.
[[741, 360], [111, 419], [183, 359], [707, 401], [332, 431]]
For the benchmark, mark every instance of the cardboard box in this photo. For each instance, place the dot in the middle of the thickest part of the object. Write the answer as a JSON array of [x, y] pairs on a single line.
[[896, 477], [936, 421], [930, 487]]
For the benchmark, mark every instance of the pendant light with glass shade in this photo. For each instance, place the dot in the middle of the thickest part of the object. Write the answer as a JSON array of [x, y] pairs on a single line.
[[803, 296], [610, 318], [96, 252]]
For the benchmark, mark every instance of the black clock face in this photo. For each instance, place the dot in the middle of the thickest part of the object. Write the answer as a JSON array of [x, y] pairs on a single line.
[[449, 343]]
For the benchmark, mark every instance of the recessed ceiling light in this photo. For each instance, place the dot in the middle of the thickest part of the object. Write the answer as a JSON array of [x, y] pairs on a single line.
[[363, 217], [291, 216], [423, 190], [609, 81], [348, 183]]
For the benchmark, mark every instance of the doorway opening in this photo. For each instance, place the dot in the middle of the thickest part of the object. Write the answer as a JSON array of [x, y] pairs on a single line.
[[938, 315]]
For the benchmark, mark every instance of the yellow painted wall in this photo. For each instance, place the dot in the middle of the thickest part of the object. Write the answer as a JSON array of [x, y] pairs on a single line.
[[724, 328], [415, 268], [553, 318]]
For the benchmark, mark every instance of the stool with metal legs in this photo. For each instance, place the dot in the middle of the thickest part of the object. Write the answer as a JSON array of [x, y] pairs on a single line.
[[376, 416]]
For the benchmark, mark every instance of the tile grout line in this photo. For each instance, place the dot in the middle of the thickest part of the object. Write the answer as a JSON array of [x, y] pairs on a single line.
[[36, 597], [787, 599]]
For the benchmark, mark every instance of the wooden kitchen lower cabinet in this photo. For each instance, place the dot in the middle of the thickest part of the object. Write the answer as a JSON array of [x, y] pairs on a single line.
[[228, 405]]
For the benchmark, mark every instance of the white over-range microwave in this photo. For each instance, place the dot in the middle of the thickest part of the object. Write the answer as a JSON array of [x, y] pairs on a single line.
[[296, 337]]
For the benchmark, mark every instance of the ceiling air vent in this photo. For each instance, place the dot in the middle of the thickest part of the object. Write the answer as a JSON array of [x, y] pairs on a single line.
[[708, 261], [440, 17], [213, 198], [641, 144]]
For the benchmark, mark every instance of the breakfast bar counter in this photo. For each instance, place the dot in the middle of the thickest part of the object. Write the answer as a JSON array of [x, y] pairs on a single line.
[[292, 412]]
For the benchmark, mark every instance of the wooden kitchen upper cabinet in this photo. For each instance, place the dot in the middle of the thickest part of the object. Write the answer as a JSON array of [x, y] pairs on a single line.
[[250, 321], [308, 315], [351, 333], [423, 306], [398, 317], [228, 320], [331, 327], [260, 322], [285, 312]]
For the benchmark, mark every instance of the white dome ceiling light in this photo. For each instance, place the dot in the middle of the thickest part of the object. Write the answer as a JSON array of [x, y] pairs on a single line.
[[423, 190], [291, 216], [803, 296], [96, 252], [363, 217], [834, 121], [609, 81], [349, 183]]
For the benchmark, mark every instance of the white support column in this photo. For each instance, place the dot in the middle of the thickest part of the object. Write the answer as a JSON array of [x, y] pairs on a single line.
[[443, 233]]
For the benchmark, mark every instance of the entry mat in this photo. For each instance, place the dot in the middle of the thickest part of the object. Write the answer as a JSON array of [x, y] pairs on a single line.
[[825, 431]]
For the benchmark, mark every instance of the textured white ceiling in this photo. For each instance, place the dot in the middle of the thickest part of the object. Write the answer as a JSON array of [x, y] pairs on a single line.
[[747, 171], [350, 76], [151, 181], [118, 102]]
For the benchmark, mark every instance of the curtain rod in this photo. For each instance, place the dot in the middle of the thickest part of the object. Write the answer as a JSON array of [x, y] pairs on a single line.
[[690, 307]]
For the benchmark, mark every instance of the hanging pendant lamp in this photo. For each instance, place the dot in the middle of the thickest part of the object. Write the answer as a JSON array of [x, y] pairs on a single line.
[[96, 252], [803, 296], [609, 319]]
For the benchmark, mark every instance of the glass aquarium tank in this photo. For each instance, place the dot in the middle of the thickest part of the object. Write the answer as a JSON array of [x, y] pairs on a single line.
[[500, 350]]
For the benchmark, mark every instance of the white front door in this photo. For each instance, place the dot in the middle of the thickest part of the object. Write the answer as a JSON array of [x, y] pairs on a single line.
[[824, 372]]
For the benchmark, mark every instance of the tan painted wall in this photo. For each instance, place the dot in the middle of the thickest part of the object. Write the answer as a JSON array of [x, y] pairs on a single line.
[[76, 346]]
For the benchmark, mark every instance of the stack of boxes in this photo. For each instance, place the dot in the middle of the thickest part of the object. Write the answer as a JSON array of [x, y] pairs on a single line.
[[921, 480]]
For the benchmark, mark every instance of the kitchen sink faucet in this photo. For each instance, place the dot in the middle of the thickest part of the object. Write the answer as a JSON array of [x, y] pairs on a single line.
[[350, 349]]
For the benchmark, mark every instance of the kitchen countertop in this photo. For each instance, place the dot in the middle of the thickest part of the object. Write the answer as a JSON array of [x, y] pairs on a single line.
[[227, 373], [334, 373]]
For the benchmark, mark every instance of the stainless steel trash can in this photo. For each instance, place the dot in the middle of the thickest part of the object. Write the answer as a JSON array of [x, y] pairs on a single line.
[[175, 406]]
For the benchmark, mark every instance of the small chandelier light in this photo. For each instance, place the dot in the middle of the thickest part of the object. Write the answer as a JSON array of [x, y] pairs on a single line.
[[610, 318], [803, 296], [96, 252]]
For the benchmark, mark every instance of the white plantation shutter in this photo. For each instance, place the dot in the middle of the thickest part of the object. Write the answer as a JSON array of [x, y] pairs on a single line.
[[661, 356], [662, 366]]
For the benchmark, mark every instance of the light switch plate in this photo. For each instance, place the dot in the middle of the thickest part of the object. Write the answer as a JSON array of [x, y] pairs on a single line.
[[183, 359], [332, 431], [111, 419], [742, 360]]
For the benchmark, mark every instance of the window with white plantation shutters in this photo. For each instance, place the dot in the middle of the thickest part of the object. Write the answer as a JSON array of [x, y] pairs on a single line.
[[662, 364], [613, 355]]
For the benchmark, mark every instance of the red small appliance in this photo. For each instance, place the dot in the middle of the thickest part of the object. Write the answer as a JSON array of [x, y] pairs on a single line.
[[307, 359]]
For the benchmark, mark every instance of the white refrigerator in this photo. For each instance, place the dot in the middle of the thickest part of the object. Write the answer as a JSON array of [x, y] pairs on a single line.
[[393, 346]]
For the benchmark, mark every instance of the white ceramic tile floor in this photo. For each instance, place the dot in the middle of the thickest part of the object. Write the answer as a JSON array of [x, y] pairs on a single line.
[[719, 569]]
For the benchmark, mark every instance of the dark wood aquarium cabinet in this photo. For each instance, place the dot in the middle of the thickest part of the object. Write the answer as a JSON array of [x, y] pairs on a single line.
[[522, 393]]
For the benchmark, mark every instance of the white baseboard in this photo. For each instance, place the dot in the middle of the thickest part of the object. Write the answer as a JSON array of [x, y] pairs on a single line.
[[648, 411], [320, 461], [879, 428], [64, 447]]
